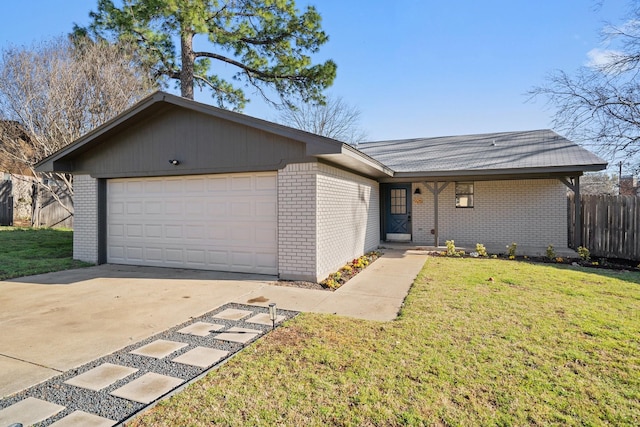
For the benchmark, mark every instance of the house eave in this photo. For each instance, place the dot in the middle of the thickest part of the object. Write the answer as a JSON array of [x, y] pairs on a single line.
[[496, 174], [351, 158]]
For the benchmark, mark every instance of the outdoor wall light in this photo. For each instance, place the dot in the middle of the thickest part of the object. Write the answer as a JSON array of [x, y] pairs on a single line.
[[273, 314], [174, 162], [417, 191]]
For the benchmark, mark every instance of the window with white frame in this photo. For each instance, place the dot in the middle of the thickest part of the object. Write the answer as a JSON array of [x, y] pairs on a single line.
[[464, 194]]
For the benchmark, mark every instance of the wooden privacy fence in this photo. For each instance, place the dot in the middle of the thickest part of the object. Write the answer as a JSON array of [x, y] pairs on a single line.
[[610, 225], [6, 202], [47, 211]]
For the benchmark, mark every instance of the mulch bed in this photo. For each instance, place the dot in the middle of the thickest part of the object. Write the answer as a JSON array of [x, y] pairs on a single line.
[[345, 275]]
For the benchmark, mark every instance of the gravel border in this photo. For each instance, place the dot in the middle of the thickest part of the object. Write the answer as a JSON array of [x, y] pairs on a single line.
[[105, 405]]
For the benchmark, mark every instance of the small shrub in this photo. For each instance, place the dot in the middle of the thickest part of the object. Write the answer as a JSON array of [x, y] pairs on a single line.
[[494, 256], [551, 253], [584, 253], [559, 260], [511, 250], [481, 250], [451, 248]]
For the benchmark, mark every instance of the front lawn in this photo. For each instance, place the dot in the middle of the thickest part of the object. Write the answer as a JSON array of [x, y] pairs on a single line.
[[27, 251], [479, 342]]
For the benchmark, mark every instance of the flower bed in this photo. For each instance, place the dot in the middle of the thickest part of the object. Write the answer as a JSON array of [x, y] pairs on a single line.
[[340, 277]]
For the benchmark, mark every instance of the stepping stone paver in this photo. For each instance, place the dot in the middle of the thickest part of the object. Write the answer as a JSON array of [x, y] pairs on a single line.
[[201, 356], [83, 419], [101, 376], [233, 314], [83, 390], [235, 334], [147, 388], [263, 319], [28, 412], [159, 348], [201, 329]]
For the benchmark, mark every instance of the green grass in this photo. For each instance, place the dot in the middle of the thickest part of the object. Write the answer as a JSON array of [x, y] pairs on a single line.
[[26, 251], [538, 345]]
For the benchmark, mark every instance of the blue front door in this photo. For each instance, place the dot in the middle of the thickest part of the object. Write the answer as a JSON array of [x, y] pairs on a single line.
[[398, 212]]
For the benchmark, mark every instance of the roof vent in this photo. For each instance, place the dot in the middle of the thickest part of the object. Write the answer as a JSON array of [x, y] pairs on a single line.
[[493, 144]]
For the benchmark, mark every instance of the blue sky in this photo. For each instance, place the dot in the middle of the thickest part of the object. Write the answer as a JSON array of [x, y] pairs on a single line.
[[415, 68]]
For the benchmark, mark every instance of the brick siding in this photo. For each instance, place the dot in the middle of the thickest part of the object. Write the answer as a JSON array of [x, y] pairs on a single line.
[[348, 218], [326, 217], [85, 223], [297, 221], [528, 212]]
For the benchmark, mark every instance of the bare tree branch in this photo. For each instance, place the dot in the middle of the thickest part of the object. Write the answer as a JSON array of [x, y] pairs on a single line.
[[56, 91], [599, 105], [336, 119]]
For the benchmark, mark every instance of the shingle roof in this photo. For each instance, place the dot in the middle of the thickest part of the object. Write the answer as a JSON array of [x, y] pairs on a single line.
[[530, 150]]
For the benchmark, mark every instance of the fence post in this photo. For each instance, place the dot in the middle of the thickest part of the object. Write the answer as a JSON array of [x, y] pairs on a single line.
[[578, 236]]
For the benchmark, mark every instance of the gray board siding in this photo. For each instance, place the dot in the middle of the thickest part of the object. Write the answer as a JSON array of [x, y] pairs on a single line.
[[201, 143]]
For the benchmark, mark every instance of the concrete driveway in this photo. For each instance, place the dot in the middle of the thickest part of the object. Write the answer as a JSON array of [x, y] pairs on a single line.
[[54, 322]]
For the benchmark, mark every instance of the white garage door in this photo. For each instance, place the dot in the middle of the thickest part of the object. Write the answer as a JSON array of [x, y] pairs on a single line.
[[211, 222]]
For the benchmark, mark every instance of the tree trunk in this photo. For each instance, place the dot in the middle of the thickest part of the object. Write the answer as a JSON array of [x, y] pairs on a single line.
[[186, 74]]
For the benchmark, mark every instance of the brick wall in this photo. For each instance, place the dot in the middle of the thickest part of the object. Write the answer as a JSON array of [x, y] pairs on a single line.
[[326, 217], [85, 224], [297, 221], [348, 222], [528, 212]]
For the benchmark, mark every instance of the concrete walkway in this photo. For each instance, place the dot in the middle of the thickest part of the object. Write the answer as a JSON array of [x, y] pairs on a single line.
[[54, 322]]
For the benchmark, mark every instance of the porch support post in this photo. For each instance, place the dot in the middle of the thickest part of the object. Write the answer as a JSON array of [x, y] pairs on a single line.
[[573, 183], [436, 190]]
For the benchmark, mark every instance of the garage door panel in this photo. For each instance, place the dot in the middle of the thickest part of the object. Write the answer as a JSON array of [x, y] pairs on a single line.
[[116, 230], [173, 186], [153, 186], [195, 208], [217, 222], [153, 231], [266, 209], [265, 234], [117, 253], [242, 258], [268, 182], [243, 183], [134, 186], [218, 233], [241, 209], [173, 207], [217, 184], [135, 253], [266, 260], [154, 254], [173, 231], [153, 207], [174, 255]]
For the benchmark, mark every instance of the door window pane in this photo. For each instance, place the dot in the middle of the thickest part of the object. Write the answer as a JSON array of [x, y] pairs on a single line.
[[398, 201]]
